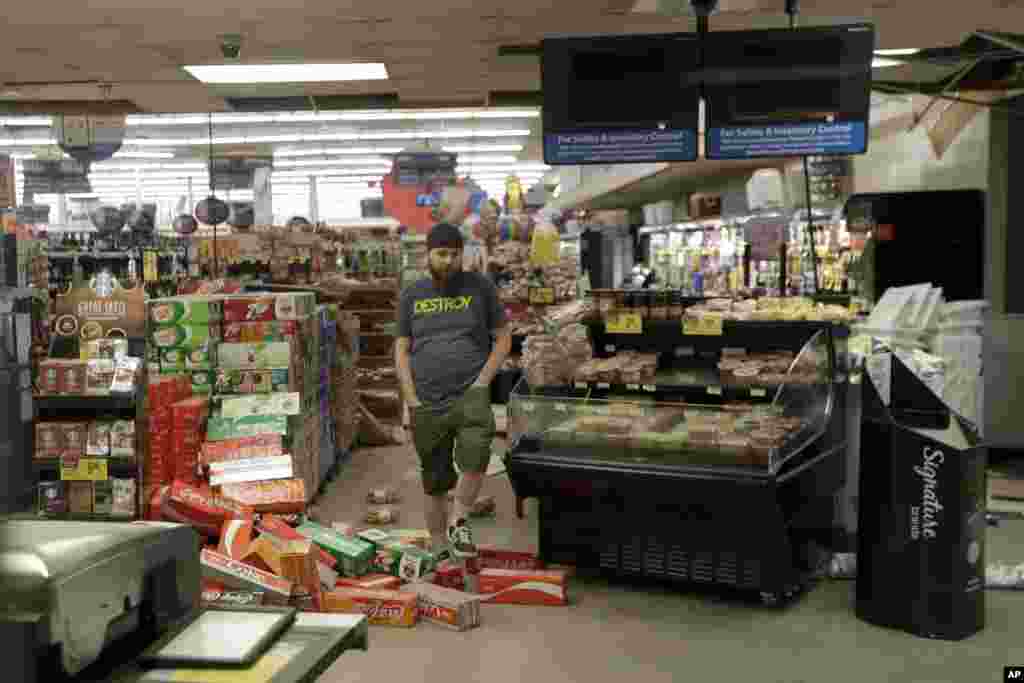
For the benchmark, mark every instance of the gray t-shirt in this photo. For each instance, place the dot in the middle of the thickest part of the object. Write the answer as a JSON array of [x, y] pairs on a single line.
[[450, 334]]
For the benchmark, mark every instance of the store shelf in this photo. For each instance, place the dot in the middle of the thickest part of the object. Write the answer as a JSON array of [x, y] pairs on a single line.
[[712, 391], [88, 405], [114, 465], [668, 336], [88, 517]]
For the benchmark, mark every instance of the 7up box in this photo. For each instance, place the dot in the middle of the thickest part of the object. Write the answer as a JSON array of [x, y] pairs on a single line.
[[353, 555]]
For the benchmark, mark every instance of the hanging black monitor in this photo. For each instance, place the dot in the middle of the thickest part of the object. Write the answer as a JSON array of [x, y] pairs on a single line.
[[786, 93], [620, 99]]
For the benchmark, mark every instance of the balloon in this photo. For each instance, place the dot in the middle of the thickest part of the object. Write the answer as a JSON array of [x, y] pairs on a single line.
[[212, 211], [185, 224]]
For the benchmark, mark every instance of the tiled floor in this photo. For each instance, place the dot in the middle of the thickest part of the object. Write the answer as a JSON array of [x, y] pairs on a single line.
[[615, 632]]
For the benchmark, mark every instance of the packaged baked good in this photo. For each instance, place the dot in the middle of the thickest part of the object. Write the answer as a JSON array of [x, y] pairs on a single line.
[[382, 496], [49, 440], [124, 497], [122, 439], [52, 499], [99, 375], [79, 495], [98, 440], [381, 515]]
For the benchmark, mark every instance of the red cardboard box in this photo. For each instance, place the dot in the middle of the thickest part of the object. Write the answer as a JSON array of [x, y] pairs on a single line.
[[235, 538], [446, 607], [279, 496], [267, 446], [449, 575], [371, 582], [199, 507], [495, 558], [238, 575], [383, 608], [509, 587], [279, 532]]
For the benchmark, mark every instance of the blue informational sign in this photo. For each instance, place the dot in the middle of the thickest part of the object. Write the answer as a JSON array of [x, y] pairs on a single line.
[[620, 147], [787, 140]]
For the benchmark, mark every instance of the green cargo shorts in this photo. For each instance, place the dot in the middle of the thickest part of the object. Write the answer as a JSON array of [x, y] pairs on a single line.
[[465, 431]]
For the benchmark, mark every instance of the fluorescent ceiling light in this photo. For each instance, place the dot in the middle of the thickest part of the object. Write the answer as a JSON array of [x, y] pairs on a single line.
[[903, 52], [326, 117], [26, 121], [286, 163], [331, 151], [287, 73], [105, 166], [483, 148], [881, 63], [311, 137], [144, 155], [27, 142]]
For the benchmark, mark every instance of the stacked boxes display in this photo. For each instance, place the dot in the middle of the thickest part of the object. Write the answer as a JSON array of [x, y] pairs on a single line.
[[272, 344], [188, 419], [328, 350], [184, 337], [344, 379], [162, 392], [234, 345]]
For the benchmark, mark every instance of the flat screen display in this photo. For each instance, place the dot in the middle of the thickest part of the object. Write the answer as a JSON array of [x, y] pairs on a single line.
[[620, 99], [782, 93]]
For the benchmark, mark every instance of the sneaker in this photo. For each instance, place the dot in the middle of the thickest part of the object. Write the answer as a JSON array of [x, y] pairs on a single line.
[[460, 537]]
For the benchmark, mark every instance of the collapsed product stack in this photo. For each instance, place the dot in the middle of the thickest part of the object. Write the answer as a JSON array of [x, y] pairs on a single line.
[[252, 363], [388, 576]]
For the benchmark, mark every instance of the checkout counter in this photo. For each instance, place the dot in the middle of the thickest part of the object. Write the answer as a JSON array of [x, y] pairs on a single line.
[[82, 600]]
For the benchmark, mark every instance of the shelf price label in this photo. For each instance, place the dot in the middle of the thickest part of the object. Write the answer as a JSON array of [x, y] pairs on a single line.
[[83, 469], [711, 325], [758, 393], [542, 295], [625, 323], [149, 269], [715, 391]]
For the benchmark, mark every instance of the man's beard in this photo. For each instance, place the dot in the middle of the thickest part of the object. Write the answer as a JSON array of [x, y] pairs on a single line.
[[443, 277]]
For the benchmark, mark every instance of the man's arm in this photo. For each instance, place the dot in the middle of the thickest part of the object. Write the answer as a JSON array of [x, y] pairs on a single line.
[[404, 369], [499, 352]]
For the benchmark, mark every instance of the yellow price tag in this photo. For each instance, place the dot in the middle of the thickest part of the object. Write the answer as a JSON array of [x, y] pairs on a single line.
[[625, 323], [84, 469], [542, 295], [149, 269], [704, 326]]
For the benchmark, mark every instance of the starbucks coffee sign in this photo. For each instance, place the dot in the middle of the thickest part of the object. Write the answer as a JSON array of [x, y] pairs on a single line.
[[103, 308]]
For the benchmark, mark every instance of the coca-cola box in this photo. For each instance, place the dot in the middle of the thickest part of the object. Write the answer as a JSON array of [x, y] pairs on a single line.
[[921, 533]]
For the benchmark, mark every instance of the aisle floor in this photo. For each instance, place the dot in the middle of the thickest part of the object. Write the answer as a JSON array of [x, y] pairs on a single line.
[[613, 631]]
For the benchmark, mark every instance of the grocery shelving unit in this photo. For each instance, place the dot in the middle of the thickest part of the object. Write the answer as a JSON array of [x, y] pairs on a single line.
[[662, 515], [90, 408]]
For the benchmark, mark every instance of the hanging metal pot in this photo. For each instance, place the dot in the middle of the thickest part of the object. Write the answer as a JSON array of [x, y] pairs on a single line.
[[242, 216], [212, 211], [108, 220], [185, 224], [300, 224]]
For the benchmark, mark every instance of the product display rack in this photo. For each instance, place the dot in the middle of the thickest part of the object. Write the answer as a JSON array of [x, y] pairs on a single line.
[[86, 408], [659, 515]]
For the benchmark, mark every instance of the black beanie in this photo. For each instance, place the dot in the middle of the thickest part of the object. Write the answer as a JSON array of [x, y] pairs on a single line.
[[444, 236]]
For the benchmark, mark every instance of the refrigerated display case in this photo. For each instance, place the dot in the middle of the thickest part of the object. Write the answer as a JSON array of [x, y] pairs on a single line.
[[701, 258], [697, 474]]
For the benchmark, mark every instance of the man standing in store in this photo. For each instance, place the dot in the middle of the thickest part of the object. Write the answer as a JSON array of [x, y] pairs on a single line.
[[452, 340]]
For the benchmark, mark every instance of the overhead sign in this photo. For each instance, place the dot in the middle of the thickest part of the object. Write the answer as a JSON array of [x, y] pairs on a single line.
[[424, 168], [620, 147], [237, 173], [788, 93], [787, 140], [620, 99], [63, 176]]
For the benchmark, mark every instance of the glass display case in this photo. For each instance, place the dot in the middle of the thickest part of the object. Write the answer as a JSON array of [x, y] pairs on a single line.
[[710, 458], [661, 433]]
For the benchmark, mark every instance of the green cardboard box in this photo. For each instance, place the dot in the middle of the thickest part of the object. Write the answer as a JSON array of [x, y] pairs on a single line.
[[224, 428], [257, 356], [185, 310], [407, 562], [187, 337], [354, 555], [203, 358]]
